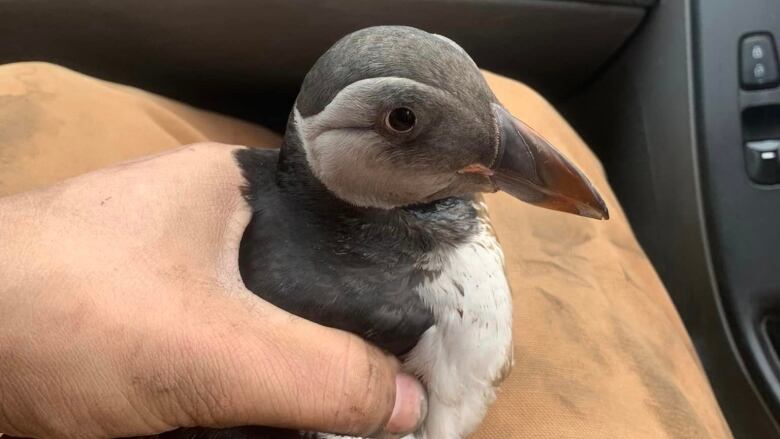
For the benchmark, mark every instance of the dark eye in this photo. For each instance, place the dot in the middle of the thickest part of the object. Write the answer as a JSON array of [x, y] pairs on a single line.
[[401, 120]]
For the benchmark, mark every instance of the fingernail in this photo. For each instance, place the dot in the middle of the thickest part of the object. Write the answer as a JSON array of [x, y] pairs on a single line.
[[411, 406]]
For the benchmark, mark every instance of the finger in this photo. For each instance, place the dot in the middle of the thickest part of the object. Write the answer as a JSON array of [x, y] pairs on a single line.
[[267, 367]]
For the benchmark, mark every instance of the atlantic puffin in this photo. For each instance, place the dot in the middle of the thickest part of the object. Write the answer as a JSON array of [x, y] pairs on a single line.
[[369, 219]]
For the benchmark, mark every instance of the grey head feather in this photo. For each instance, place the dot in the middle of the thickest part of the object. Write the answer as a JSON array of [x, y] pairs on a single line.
[[397, 51]]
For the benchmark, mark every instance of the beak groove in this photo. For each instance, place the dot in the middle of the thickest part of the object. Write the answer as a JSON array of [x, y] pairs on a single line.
[[529, 168], [477, 168]]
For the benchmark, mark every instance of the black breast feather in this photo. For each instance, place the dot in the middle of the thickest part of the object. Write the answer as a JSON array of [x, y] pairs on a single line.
[[322, 260]]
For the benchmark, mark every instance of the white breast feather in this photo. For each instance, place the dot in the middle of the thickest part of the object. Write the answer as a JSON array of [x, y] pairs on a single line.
[[463, 357]]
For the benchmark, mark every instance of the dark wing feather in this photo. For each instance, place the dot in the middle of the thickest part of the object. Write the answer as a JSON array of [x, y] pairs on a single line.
[[317, 271]]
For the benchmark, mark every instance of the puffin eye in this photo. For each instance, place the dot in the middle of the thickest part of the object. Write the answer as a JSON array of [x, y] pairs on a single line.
[[401, 120]]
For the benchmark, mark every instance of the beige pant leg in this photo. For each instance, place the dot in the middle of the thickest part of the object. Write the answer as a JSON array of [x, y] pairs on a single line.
[[600, 351], [55, 123]]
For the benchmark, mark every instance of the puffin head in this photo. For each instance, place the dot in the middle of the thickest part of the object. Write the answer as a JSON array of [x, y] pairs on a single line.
[[393, 116]]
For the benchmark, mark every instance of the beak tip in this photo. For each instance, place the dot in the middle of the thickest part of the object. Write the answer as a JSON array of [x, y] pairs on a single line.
[[598, 213], [599, 210], [602, 208]]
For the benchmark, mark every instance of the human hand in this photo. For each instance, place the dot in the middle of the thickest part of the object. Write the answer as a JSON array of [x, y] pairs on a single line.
[[122, 312]]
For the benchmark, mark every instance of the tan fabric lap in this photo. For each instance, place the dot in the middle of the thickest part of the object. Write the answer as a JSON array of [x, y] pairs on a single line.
[[600, 351], [55, 123]]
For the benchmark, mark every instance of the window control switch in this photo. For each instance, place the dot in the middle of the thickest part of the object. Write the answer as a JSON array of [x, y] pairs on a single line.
[[761, 159], [758, 61]]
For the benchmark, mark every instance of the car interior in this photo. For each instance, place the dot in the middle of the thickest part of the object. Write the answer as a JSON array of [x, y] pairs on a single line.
[[678, 98]]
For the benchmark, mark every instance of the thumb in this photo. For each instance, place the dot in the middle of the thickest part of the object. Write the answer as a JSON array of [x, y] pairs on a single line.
[[259, 365]]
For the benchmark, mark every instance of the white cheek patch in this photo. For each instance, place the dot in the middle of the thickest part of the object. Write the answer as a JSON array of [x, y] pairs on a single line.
[[351, 166], [346, 160], [350, 157], [354, 166]]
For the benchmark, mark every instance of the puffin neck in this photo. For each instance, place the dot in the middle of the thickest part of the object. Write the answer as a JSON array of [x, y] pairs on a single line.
[[451, 219], [295, 178]]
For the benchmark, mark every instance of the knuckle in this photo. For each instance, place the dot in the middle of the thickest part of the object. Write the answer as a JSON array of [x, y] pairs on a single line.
[[366, 387]]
